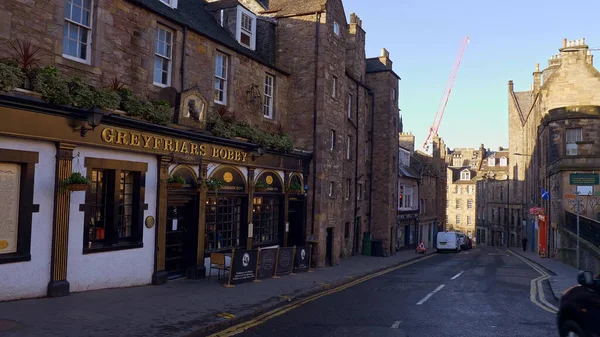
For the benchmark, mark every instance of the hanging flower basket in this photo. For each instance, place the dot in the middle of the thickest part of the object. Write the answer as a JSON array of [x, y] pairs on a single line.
[[175, 182], [295, 188], [76, 182], [214, 184], [260, 187]]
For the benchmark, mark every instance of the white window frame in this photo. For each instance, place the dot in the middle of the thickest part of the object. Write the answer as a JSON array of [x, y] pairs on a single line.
[[331, 189], [223, 79], [470, 189], [349, 106], [168, 58], [336, 28], [269, 96], [332, 140], [470, 204], [238, 29], [503, 161], [170, 3], [89, 28], [407, 197], [469, 220], [572, 136], [348, 146], [458, 219], [458, 204], [334, 86], [465, 175], [492, 161]]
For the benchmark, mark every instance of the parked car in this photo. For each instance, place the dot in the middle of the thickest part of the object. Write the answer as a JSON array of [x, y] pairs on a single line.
[[447, 241], [579, 308]]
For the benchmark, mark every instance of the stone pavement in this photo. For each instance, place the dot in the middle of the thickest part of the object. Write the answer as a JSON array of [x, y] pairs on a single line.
[[177, 308], [563, 276]]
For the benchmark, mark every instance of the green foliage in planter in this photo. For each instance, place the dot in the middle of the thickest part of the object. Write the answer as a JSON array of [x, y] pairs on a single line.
[[175, 179], [230, 129], [10, 77], [261, 185], [158, 112], [10, 62], [52, 87], [76, 178], [130, 104], [214, 184], [82, 95], [295, 187], [107, 99]]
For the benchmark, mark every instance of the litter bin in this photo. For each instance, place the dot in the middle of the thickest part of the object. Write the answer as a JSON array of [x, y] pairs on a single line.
[[366, 244], [377, 248]]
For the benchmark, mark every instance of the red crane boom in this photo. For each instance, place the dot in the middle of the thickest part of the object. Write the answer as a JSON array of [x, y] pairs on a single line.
[[442, 107]]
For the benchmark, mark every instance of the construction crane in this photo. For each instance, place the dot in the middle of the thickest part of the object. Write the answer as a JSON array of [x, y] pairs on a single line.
[[442, 107]]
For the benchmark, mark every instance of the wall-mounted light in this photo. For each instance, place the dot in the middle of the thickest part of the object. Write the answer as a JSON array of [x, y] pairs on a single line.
[[305, 189], [259, 153], [94, 118]]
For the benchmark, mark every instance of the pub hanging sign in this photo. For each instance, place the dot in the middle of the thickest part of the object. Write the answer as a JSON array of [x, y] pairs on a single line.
[[170, 145]]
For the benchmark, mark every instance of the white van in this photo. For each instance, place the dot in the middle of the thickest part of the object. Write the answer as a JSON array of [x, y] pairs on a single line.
[[448, 241]]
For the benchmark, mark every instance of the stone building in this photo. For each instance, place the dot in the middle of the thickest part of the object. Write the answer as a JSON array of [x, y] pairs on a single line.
[[462, 174], [341, 99], [422, 191], [187, 117], [553, 128]]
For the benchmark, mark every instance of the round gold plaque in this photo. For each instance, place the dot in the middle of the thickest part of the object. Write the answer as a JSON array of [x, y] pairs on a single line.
[[3, 244], [149, 221], [228, 177], [269, 180]]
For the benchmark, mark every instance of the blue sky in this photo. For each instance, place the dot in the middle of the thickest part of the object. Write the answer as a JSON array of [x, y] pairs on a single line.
[[507, 39]]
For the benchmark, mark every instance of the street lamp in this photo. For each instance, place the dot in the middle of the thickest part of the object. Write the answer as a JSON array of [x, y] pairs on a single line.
[[94, 117]]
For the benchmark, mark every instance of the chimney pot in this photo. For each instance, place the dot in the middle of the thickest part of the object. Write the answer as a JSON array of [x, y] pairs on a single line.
[[385, 53], [564, 43], [537, 67]]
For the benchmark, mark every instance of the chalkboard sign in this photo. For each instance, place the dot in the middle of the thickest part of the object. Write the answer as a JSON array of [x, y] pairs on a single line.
[[243, 266], [285, 261], [301, 260], [266, 267]]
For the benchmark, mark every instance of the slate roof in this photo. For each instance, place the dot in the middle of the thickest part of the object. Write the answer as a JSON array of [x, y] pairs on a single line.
[[293, 7], [193, 13], [456, 175], [497, 155], [375, 66], [409, 172]]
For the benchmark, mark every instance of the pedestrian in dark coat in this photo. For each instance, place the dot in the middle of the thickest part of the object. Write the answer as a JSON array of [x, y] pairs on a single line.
[[524, 243]]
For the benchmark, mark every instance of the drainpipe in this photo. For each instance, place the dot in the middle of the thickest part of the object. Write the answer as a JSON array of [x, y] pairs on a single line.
[[185, 30], [356, 167], [371, 158], [314, 166]]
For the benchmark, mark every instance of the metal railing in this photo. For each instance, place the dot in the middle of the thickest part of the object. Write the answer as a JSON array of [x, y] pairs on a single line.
[[589, 229]]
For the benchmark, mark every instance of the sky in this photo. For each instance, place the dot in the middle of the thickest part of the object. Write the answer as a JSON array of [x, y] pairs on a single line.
[[507, 39]]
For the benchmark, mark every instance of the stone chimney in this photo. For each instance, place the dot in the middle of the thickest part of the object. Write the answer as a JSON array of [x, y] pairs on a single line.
[[510, 86], [574, 51], [355, 20], [407, 141], [385, 58], [537, 79]]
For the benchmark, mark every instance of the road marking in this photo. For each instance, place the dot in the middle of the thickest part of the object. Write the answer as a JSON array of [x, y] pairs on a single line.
[[537, 286], [239, 328], [430, 294], [396, 324], [457, 275]]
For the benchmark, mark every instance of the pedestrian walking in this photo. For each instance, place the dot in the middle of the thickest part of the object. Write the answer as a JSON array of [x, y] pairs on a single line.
[[524, 243]]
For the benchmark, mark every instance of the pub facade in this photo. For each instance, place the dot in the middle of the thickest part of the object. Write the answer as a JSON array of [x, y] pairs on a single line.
[[129, 163]]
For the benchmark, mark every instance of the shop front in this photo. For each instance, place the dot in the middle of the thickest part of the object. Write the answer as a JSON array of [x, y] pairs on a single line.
[[157, 198], [406, 229]]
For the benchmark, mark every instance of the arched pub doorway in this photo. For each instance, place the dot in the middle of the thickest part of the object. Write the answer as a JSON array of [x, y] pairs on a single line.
[[226, 210], [182, 224], [296, 210], [268, 210]]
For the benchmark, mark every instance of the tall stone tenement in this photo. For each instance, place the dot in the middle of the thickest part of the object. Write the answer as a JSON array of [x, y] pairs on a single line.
[[339, 101], [552, 131]]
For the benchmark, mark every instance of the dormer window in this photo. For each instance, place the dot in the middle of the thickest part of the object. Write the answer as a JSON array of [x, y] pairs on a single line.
[[246, 28], [503, 161], [465, 175], [492, 161], [170, 3]]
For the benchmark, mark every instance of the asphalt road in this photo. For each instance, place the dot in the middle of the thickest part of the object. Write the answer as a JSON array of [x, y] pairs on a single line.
[[481, 292]]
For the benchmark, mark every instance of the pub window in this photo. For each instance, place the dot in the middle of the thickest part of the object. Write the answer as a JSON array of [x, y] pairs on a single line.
[[163, 57], [223, 220], [265, 218], [17, 171], [114, 213], [221, 78], [77, 30]]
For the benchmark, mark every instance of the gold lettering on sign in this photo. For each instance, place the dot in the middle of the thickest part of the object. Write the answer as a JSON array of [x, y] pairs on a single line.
[[170, 145], [10, 183]]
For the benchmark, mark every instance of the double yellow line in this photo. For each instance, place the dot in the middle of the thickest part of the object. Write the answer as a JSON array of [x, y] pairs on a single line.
[[239, 328], [537, 288]]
